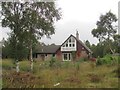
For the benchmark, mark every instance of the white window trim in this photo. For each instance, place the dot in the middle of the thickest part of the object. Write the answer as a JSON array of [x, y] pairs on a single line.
[[67, 56]]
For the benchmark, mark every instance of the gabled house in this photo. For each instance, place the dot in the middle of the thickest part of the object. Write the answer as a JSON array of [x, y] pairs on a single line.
[[71, 49]]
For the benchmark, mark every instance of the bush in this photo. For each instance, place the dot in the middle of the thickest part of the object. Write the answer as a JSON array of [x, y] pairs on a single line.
[[108, 59], [66, 64], [82, 60], [54, 63], [99, 61], [25, 66]]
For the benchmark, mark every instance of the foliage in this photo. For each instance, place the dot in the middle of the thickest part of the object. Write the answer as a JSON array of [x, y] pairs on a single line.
[[28, 22], [99, 61], [117, 43], [105, 32], [73, 55], [105, 28], [100, 77], [8, 64], [95, 78], [24, 66], [82, 59], [108, 59], [9, 51], [52, 62], [87, 43]]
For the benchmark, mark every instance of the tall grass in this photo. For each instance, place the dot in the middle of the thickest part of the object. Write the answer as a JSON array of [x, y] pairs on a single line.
[[8, 64], [68, 74]]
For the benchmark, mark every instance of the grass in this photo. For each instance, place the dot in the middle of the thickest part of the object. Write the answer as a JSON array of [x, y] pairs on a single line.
[[68, 74]]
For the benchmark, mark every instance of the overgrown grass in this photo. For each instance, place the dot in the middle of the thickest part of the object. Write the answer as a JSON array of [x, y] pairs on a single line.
[[69, 74], [8, 64]]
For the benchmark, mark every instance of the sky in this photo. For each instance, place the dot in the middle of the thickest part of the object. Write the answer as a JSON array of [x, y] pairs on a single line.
[[77, 15]]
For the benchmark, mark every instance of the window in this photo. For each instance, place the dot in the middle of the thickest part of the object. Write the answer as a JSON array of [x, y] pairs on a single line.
[[53, 55], [69, 56], [69, 45], [66, 45], [66, 56], [73, 45]]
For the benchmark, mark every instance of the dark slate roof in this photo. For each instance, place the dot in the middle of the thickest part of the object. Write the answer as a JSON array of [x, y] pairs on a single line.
[[48, 49]]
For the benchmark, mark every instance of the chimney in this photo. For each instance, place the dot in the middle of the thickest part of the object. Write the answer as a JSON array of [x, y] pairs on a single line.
[[77, 35]]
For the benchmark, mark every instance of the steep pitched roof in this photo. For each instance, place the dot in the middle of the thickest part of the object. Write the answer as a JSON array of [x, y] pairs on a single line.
[[49, 49], [79, 41]]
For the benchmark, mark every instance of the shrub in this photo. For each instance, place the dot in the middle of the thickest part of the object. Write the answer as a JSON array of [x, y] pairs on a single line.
[[82, 59], [93, 59], [118, 59], [107, 59], [58, 64], [99, 61], [52, 61], [66, 64], [25, 65]]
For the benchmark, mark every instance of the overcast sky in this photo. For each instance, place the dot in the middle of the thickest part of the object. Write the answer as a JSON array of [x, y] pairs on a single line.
[[78, 15]]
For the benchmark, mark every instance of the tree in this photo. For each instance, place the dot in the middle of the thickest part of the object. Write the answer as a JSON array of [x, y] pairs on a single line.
[[29, 21], [87, 43], [105, 28], [8, 50], [97, 50], [117, 42]]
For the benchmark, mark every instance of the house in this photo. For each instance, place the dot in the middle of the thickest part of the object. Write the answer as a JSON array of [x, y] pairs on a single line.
[[46, 52], [71, 49]]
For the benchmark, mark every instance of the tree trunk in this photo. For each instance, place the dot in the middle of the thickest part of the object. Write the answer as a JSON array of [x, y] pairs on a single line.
[[110, 47], [30, 54], [17, 67], [112, 51], [31, 58]]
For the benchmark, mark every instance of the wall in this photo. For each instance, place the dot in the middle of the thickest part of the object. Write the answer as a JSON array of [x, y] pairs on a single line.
[[81, 51], [44, 56], [59, 55]]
